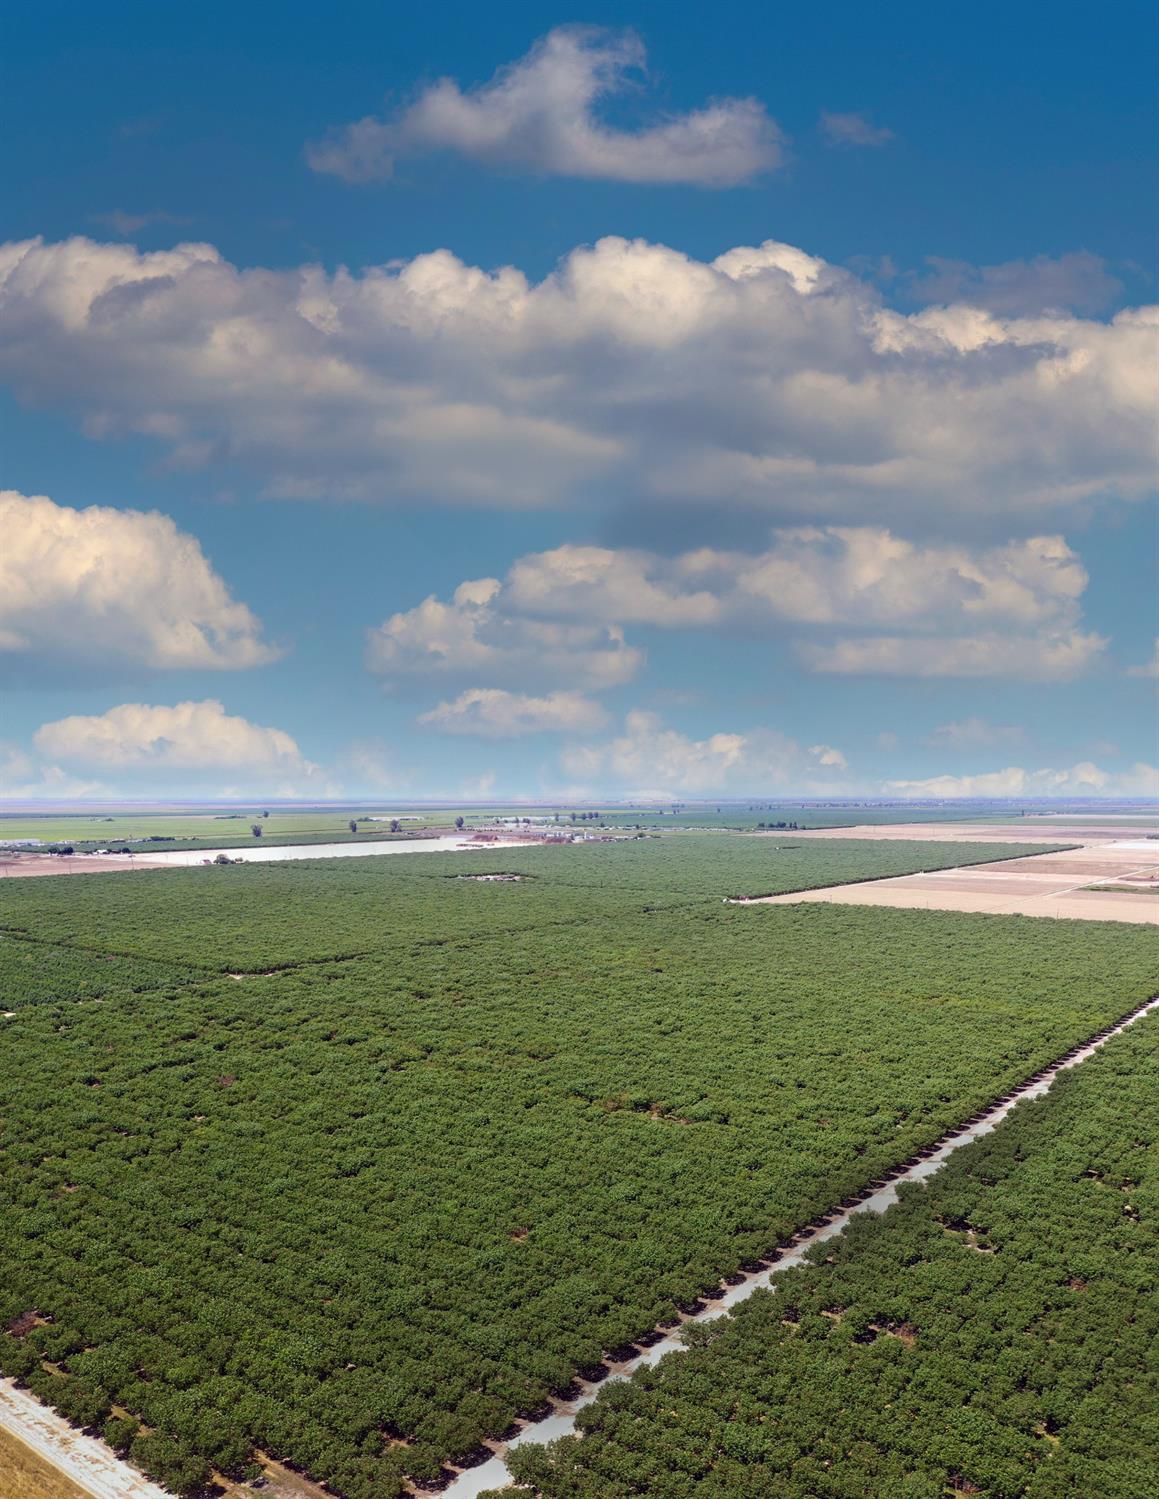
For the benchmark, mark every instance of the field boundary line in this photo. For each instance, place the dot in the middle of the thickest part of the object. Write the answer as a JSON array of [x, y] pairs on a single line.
[[881, 879], [17, 934]]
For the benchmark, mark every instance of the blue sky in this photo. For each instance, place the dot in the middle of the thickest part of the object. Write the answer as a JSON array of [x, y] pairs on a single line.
[[807, 442]]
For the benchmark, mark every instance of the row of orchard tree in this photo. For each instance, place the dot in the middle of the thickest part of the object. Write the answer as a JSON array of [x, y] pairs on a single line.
[[995, 1335]]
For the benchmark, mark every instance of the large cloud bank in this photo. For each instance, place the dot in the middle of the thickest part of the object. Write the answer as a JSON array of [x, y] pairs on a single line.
[[919, 610], [764, 379]]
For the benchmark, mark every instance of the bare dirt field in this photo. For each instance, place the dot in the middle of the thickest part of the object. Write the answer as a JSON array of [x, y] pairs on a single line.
[[1026, 830], [23, 866], [1083, 883], [28, 1476], [1097, 866]]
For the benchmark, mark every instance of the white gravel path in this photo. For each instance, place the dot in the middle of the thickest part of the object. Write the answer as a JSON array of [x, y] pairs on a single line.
[[91, 1465]]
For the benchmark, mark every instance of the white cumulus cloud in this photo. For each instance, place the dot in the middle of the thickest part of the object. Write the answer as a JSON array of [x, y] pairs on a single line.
[[193, 736], [825, 754], [831, 575], [1084, 779], [473, 637], [965, 611], [493, 713], [650, 759], [601, 583], [122, 588], [539, 115], [764, 379]]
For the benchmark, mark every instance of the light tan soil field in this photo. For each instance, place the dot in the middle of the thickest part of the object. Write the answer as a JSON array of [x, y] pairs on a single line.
[[24, 866], [1025, 830], [1084, 883], [43, 1457], [24, 1475]]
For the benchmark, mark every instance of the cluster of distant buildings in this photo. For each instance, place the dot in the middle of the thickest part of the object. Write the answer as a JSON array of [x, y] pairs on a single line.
[[545, 830]]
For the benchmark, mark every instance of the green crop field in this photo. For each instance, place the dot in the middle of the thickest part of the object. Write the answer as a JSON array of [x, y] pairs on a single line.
[[176, 830], [446, 1142], [41, 973], [993, 1335], [276, 914], [804, 815], [230, 828]]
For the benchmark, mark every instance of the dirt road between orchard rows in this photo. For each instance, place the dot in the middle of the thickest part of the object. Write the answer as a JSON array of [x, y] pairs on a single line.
[[880, 1195]]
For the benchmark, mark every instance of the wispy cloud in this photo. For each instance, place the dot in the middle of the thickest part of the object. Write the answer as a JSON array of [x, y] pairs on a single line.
[[1083, 779], [1076, 282], [25, 778], [648, 758], [852, 130], [539, 115], [492, 713], [1046, 656], [143, 125], [126, 224], [1147, 668], [973, 733]]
